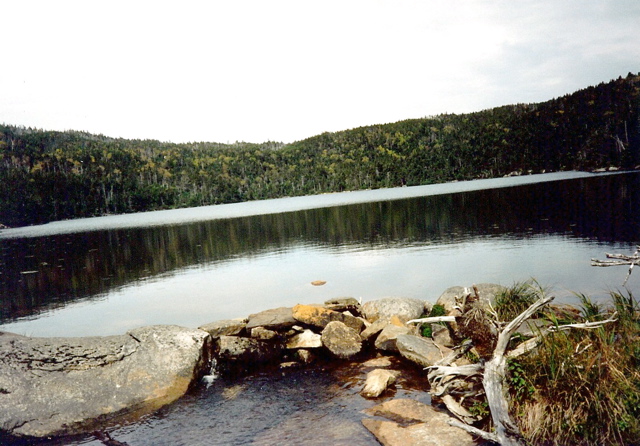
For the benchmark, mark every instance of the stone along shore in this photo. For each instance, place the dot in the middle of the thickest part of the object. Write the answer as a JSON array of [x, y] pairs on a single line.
[[61, 386]]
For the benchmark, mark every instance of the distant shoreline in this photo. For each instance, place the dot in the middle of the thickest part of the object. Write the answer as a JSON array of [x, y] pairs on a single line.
[[282, 205]]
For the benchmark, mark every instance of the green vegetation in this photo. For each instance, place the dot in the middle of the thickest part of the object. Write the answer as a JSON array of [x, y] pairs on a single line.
[[50, 175], [581, 386], [514, 300], [436, 310]]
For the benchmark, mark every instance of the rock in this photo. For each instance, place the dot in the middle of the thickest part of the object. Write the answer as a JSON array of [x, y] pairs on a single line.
[[233, 350], [487, 292], [415, 424], [373, 329], [55, 386], [533, 327], [224, 328], [386, 340], [422, 351], [275, 319], [441, 335], [320, 317], [382, 361], [377, 382], [341, 340], [306, 339], [403, 307], [343, 304], [263, 333], [304, 356]]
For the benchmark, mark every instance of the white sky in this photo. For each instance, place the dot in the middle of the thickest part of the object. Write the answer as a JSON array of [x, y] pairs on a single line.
[[284, 70]]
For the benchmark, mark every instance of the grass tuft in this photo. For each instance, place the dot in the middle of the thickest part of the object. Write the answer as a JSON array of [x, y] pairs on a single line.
[[583, 386]]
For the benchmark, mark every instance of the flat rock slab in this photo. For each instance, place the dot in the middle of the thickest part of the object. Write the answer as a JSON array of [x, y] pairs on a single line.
[[413, 423], [275, 319], [227, 327], [422, 351], [54, 386], [403, 307]]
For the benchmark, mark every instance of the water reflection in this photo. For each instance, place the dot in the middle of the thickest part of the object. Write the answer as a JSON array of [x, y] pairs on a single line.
[[404, 247]]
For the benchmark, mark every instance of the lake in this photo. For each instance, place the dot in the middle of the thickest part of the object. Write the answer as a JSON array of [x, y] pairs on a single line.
[[188, 267], [106, 275]]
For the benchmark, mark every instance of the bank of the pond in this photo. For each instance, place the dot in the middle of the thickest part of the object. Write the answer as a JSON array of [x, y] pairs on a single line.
[[69, 386]]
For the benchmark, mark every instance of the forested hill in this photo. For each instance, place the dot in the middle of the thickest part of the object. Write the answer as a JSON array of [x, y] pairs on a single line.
[[48, 175]]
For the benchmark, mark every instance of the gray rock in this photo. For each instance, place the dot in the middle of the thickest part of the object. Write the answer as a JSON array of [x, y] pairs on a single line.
[[224, 328], [415, 424], [441, 335], [373, 329], [422, 351], [386, 340], [275, 319], [341, 340], [233, 351], [403, 307], [263, 333], [486, 291], [343, 304], [53, 386]]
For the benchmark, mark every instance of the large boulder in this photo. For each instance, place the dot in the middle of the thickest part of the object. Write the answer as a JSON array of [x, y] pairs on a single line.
[[403, 307], [53, 386], [413, 423]]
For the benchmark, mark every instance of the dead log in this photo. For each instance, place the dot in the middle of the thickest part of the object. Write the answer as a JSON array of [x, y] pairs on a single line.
[[621, 259]]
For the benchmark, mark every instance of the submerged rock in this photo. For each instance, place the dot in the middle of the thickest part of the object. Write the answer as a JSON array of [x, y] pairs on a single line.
[[415, 424], [53, 386]]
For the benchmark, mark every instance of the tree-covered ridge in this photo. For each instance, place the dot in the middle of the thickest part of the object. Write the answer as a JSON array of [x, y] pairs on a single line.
[[50, 175]]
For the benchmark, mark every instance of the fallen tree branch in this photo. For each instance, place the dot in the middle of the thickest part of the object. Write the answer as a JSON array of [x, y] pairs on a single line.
[[623, 259], [474, 430]]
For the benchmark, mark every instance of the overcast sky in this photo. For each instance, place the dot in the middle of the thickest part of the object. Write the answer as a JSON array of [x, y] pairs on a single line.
[[281, 70]]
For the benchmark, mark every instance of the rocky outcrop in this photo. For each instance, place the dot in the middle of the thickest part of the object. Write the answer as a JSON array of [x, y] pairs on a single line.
[[54, 386]]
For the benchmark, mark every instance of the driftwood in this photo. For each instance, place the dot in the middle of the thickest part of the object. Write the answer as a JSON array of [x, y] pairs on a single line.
[[621, 260], [449, 381], [432, 320]]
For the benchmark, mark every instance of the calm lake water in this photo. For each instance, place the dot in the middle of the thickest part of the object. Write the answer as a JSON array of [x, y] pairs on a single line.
[[107, 275], [189, 267]]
